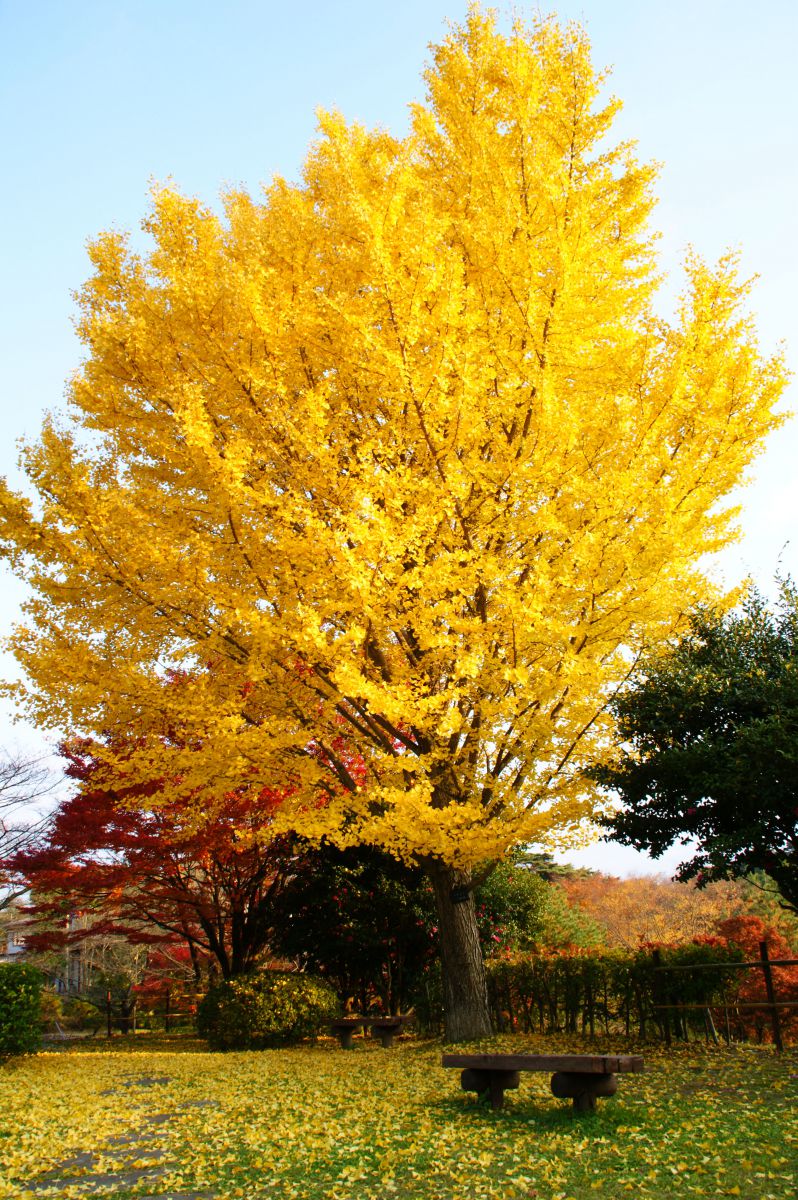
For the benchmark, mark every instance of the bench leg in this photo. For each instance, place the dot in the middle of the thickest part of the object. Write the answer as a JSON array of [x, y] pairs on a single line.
[[583, 1088], [492, 1084], [496, 1090], [386, 1037], [345, 1037]]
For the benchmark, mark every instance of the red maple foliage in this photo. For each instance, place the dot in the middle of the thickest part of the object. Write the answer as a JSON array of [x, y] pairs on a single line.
[[748, 932], [135, 864]]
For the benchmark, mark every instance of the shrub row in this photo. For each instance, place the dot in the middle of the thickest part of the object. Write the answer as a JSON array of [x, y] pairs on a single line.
[[611, 992], [20, 1001]]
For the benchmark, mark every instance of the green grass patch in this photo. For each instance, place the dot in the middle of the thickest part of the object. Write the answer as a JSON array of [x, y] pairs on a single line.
[[140, 1117]]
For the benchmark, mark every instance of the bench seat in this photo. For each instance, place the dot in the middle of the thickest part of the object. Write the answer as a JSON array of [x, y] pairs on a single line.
[[580, 1077], [385, 1028]]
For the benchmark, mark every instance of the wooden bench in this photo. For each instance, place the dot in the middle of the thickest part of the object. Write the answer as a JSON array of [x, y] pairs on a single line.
[[385, 1028], [344, 1028], [581, 1077]]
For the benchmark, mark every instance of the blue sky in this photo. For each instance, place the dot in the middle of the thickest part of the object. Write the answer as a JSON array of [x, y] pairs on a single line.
[[98, 99]]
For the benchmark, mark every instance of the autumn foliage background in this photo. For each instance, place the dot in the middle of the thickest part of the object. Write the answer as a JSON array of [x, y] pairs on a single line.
[[400, 469]]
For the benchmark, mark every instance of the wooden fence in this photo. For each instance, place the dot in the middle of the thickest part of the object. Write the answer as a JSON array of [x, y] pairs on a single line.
[[638, 994], [764, 964]]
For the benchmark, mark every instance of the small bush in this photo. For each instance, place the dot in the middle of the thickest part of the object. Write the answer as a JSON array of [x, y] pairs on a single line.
[[20, 1005], [264, 1009], [51, 1009], [79, 1014]]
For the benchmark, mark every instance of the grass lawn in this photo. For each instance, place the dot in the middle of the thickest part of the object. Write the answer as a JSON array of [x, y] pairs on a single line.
[[157, 1118]]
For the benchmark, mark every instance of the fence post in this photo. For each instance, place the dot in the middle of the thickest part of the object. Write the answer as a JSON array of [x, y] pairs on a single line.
[[659, 995], [774, 1012], [709, 1026], [108, 1012]]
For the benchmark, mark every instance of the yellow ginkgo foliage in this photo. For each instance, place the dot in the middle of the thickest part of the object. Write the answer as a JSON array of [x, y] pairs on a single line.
[[397, 467]]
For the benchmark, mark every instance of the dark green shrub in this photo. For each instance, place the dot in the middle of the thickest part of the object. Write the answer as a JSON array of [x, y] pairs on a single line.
[[360, 919], [265, 1009], [51, 1009], [79, 1014], [20, 1003]]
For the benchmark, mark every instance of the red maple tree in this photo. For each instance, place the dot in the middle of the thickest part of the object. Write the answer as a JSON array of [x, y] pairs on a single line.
[[152, 869], [749, 932]]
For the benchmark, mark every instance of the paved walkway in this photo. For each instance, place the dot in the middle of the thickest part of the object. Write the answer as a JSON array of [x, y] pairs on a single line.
[[135, 1158]]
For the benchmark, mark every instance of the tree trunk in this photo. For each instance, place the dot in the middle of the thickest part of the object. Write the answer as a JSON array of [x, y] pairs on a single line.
[[466, 1016]]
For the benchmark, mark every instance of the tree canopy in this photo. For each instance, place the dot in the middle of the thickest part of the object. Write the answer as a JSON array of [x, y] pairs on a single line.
[[401, 452], [139, 866], [712, 729]]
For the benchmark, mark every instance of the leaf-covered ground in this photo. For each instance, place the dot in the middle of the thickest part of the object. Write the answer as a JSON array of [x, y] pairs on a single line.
[[159, 1120]]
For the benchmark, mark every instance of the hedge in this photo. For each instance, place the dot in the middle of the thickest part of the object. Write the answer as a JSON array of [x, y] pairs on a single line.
[[615, 991], [20, 1005]]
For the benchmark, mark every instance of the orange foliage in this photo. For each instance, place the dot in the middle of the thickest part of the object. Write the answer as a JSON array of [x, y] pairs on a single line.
[[651, 909], [748, 932]]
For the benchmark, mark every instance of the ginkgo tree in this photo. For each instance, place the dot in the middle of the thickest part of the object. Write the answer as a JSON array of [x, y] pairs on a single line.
[[405, 454]]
